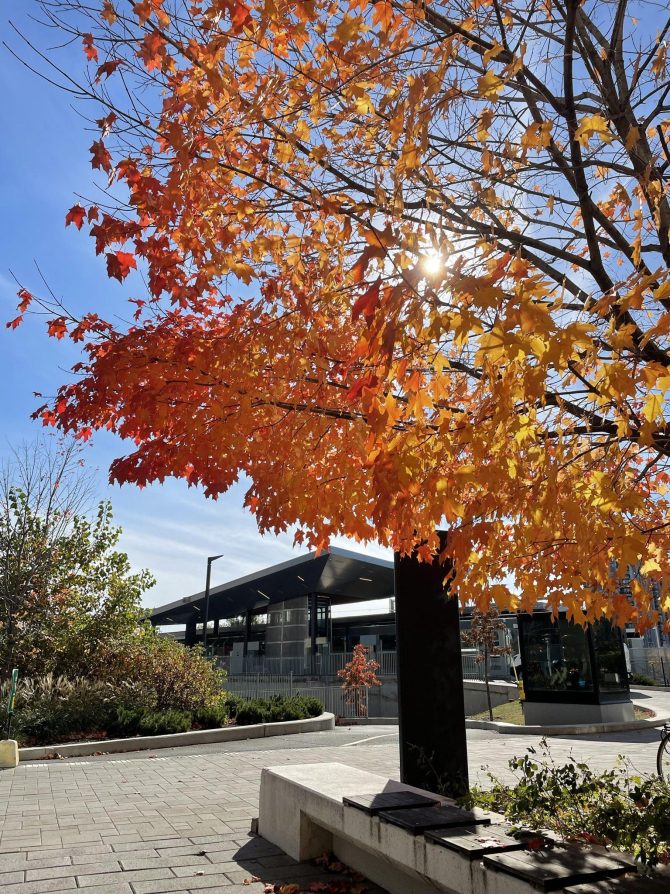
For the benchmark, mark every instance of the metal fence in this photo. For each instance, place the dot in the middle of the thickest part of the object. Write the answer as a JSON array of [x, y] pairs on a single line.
[[332, 697], [653, 663], [324, 665], [327, 666]]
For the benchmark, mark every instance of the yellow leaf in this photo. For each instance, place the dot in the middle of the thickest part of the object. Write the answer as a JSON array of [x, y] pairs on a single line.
[[485, 121], [348, 28], [591, 125], [537, 135], [489, 85], [495, 50], [302, 131], [632, 138], [663, 291], [653, 407], [650, 565]]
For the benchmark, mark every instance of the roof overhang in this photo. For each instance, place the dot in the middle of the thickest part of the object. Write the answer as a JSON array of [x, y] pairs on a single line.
[[342, 575]]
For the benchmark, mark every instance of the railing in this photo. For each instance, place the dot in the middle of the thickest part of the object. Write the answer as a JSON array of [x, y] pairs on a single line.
[[332, 697], [653, 662], [324, 665], [327, 666]]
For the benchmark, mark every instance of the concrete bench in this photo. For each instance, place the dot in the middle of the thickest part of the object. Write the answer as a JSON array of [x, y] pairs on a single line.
[[431, 847]]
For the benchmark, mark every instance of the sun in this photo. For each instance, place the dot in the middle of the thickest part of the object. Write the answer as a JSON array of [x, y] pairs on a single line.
[[432, 263]]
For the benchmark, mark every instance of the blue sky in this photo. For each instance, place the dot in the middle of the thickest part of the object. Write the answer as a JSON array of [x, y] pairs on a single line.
[[44, 168]]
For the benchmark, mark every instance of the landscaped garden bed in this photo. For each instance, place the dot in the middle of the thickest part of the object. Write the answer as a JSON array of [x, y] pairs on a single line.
[[512, 712], [57, 710]]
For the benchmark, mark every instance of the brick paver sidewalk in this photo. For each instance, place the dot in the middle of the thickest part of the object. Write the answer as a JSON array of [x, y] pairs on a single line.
[[142, 826], [180, 820]]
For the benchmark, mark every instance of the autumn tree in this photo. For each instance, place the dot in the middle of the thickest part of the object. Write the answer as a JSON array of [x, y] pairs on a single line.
[[484, 635], [359, 675], [402, 264]]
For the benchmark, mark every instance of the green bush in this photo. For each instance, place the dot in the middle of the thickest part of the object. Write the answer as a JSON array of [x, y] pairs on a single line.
[[161, 674], [642, 680], [616, 808], [159, 723], [233, 704], [255, 710], [126, 721], [212, 716], [53, 709], [278, 708], [50, 709]]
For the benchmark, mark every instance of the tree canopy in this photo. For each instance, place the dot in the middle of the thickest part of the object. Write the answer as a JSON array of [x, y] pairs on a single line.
[[405, 264]]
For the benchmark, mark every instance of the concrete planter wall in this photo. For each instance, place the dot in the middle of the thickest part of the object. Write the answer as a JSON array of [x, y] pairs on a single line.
[[176, 740]]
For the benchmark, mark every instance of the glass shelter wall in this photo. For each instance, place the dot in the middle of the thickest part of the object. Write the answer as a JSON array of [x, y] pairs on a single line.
[[565, 662]]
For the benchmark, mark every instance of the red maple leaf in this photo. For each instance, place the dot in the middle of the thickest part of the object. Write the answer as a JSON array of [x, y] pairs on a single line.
[[57, 327], [75, 216], [26, 298], [367, 303], [107, 68], [119, 264], [89, 48], [101, 157]]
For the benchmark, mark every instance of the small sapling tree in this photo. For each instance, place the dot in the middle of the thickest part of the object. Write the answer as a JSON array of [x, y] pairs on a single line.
[[359, 675], [483, 635]]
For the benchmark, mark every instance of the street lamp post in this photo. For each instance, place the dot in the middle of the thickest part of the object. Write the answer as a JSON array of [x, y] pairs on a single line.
[[210, 559]]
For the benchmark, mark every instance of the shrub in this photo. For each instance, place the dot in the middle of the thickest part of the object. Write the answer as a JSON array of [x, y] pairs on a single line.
[[233, 704], [642, 680], [313, 706], [166, 675], [53, 709], [126, 721], [49, 708], [212, 716], [278, 708], [158, 723], [255, 710]]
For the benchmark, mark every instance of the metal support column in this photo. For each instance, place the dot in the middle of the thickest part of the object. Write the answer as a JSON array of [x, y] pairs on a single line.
[[247, 632], [433, 749], [313, 621], [190, 636]]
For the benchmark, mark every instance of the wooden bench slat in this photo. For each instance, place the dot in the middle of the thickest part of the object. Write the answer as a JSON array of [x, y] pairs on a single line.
[[475, 841], [422, 819], [558, 868], [374, 804]]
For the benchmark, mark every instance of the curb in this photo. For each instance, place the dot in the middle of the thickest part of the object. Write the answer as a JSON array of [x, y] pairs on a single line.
[[577, 729], [176, 740]]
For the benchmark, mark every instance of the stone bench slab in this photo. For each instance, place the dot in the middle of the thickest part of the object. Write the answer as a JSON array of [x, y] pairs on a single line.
[[303, 811]]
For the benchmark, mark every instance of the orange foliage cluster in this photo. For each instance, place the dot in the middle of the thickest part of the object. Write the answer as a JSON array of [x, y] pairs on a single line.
[[406, 265]]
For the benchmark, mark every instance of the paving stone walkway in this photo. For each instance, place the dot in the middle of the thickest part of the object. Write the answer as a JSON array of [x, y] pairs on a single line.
[[179, 820]]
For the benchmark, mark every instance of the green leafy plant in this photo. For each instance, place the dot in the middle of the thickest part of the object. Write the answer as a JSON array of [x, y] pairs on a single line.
[[278, 708], [52, 709], [158, 723], [212, 716], [642, 680], [616, 807]]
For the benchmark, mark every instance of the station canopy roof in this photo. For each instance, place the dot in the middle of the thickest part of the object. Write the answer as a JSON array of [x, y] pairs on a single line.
[[342, 575]]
